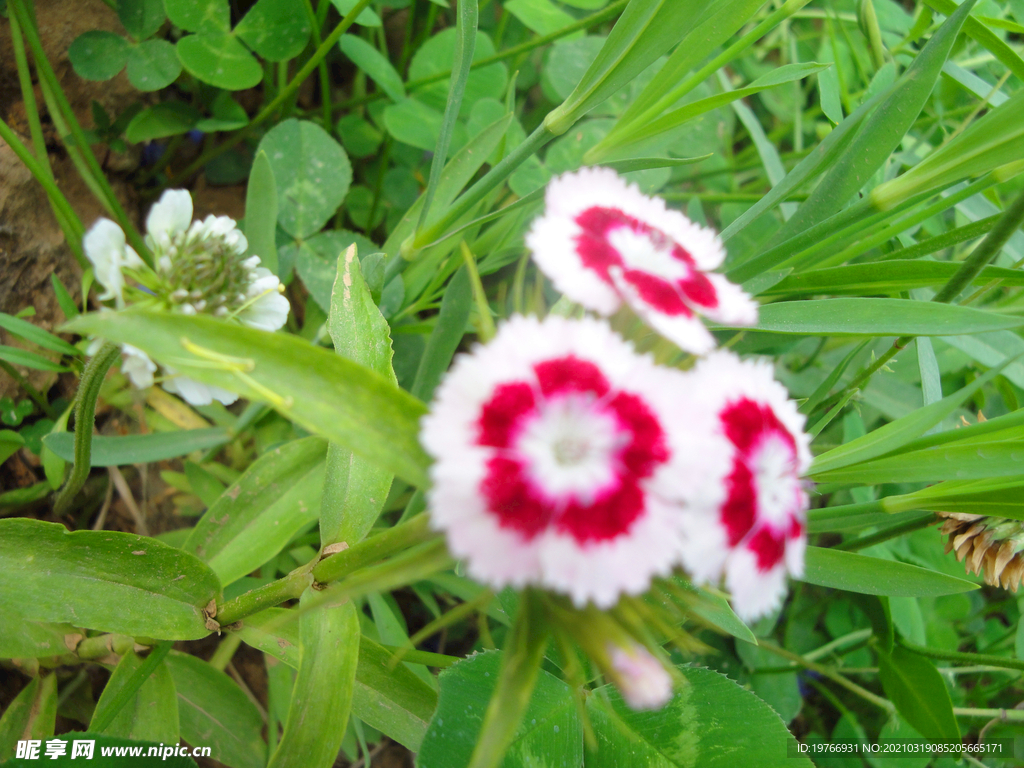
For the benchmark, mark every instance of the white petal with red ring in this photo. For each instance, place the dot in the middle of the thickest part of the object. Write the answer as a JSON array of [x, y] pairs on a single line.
[[557, 460], [735, 307], [750, 528], [684, 329]]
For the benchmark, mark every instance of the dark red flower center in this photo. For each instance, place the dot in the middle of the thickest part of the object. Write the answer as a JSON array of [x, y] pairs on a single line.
[[569, 452], [661, 270], [764, 498]]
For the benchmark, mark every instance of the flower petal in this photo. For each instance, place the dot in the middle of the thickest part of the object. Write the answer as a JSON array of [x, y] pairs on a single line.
[[169, 216]]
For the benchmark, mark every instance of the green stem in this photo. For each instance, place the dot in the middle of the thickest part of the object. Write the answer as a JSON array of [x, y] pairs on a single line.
[[402, 536], [830, 673], [1015, 715], [270, 109], [290, 587], [325, 82], [964, 658], [85, 411], [46, 73]]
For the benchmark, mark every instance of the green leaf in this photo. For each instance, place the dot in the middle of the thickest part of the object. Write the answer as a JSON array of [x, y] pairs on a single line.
[[28, 359], [312, 172], [215, 713], [32, 714], [219, 59], [874, 576], [374, 64], [196, 15], [899, 433], [261, 213], [98, 55], [322, 696], [971, 461], [917, 689], [151, 714], [540, 16], [414, 123], [784, 74], [980, 32], [386, 697], [276, 29], [882, 277], [355, 490], [550, 732], [711, 722], [879, 317], [716, 611], [882, 131], [645, 30], [24, 638], [203, 484], [36, 335], [436, 56], [142, 18], [108, 451], [316, 260], [317, 389], [169, 118], [10, 443], [277, 497], [446, 336], [228, 115], [153, 65], [67, 304], [104, 580]]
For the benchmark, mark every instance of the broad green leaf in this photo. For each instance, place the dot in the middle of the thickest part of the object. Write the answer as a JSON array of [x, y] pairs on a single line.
[[169, 118], [32, 714], [716, 611], [104, 580], [436, 56], [899, 433], [196, 15], [784, 74], [153, 65], [366, 17], [276, 29], [330, 396], [254, 519], [540, 16], [19, 356], [995, 139], [354, 489], [711, 722], [414, 123], [36, 335], [779, 690], [151, 714], [316, 260], [108, 451], [880, 135], [215, 713], [24, 638], [322, 697], [10, 443], [141, 18], [219, 59], [549, 734], [446, 336], [881, 277], [874, 576], [645, 30], [312, 172], [98, 55], [386, 697], [917, 689], [374, 64], [261, 213], [878, 317]]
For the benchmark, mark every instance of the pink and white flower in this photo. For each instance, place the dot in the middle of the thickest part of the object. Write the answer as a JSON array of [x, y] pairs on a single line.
[[602, 242], [640, 677], [746, 521], [560, 459]]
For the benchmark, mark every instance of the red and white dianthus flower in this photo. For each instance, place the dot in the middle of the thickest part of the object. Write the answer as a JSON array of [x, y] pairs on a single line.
[[746, 520], [602, 242], [560, 455]]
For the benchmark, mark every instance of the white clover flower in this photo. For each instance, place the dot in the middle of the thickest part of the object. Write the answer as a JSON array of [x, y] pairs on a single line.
[[562, 458], [602, 242], [266, 308], [169, 217], [746, 520], [136, 365], [195, 392], [106, 248], [640, 677]]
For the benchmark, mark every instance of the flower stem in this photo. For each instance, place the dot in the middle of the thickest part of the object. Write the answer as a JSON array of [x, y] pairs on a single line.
[[85, 412], [965, 658]]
